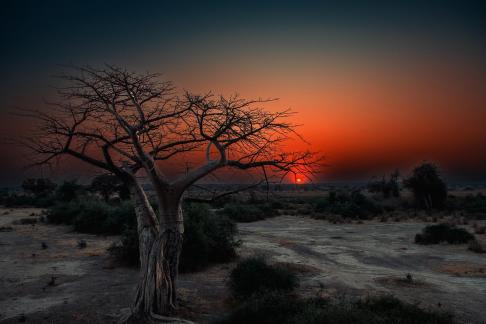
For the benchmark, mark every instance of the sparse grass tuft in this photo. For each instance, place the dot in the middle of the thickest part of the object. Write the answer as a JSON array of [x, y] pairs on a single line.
[[254, 275], [242, 213], [475, 246], [435, 234], [354, 205], [275, 308]]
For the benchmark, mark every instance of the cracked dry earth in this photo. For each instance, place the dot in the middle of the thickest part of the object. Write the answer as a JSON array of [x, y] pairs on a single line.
[[350, 259]]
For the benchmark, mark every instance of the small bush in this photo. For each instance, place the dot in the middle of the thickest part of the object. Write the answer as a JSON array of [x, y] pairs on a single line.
[[270, 209], [38, 187], [208, 238], [242, 212], [266, 308], [15, 200], [276, 204], [428, 188], [387, 188], [93, 216], [120, 217], [26, 221], [68, 191], [351, 205], [475, 246], [127, 251], [435, 234], [283, 309], [106, 185], [63, 213], [474, 204], [254, 275], [480, 230], [321, 205]]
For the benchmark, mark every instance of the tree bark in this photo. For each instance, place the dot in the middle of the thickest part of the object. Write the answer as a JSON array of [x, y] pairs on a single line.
[[160, 244]]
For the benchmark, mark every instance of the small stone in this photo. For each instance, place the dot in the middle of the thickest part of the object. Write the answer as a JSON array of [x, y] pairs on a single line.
[[52, 282], [82, 244]]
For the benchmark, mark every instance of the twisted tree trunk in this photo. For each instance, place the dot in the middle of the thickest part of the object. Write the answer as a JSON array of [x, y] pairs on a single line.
[[160, 244]]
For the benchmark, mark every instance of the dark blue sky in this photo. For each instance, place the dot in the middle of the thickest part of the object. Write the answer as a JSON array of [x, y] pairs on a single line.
[[41, 34]]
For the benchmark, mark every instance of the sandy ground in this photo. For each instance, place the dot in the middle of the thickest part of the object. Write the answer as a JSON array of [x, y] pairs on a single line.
[[362, 259], [354, 259], [87, 286]]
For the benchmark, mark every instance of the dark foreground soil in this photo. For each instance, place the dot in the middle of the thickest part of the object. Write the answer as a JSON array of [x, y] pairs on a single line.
[[66, 284]]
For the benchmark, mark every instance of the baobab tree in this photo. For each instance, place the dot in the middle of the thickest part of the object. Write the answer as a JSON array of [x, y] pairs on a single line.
[[128, 123]]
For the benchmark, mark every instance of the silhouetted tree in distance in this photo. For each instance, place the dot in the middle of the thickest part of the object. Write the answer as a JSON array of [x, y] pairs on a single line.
[[109, 184], [68, 190], [429, 190], [389, 188], [38, 187]]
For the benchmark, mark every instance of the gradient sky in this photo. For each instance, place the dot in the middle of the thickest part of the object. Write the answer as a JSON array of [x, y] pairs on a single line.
[[377, 84]]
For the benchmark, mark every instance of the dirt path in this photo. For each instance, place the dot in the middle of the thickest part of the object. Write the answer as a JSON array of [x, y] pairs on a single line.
[[362, 259]]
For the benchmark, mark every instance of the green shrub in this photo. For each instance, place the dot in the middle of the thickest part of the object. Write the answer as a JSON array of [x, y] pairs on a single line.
[[106, 185], [251, 211], [254, 275], [389, 309], [93, 216], [15, 200], [351, 205], [435, 234], [208, 238], [284, 309], [63, 213], [476, 247], [120, 217], [69, 190], [38, 192], [270, 209], [266, 308], [242, 212], [474, 204], [221, 201], [26, 221], [428, 188], [39, 187], [276, 204], [388, 188], [321, 204], [127, 251]]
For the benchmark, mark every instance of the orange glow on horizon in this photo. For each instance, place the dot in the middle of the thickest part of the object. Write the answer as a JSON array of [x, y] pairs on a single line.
[[366, 118], [369, 117]]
